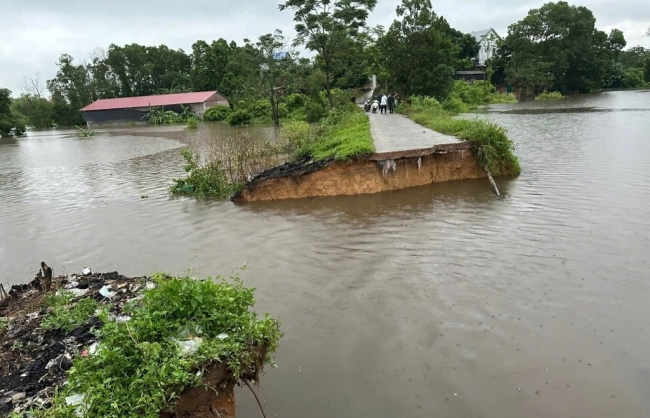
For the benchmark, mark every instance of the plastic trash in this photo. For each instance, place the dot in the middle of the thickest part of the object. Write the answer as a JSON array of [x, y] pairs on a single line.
[[105, 291], [78, 292], [93, 348], [78, 401], [222, 336], [150, 286], [86, 271], [189, 346]]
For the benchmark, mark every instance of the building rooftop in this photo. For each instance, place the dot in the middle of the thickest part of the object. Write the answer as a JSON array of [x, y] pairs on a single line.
[[154, 101], [479, 34]]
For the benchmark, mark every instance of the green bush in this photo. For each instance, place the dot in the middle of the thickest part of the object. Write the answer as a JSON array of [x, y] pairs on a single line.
[[140, 370], [493, 150], [207, 179], [63, 317], [295, 101], [261, 108], [217, 114], [546, 95], [192, 123], [283, 110], [634, 78], [315, 111], [455, 105], [296, 135], [239, 117]]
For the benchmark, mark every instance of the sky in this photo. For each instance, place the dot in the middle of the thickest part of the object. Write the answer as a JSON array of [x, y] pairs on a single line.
[[36, 32]]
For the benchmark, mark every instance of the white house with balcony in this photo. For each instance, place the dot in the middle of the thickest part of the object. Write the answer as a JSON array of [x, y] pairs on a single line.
[[487, 40]]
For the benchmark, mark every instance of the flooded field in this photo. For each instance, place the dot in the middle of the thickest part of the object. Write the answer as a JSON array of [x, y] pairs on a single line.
[[438, 301]]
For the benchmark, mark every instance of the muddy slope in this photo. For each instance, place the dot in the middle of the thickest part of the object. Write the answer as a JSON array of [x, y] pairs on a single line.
[[381, 172]]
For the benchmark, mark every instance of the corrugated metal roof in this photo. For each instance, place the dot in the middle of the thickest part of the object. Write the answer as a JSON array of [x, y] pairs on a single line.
[[157, 100], [479, 34]]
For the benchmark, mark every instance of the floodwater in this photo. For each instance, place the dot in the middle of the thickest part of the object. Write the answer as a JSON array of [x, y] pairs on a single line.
[[439, 301]]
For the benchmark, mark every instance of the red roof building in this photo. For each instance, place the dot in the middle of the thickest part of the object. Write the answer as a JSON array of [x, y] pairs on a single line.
[[133, 109]]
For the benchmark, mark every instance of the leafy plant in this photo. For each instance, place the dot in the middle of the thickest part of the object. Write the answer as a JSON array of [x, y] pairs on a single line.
[[192, 123], [239, 117], [85, 133], [204, 178], [66, 319], [493, 150], [139, 369], [217, 114], [552, 95]]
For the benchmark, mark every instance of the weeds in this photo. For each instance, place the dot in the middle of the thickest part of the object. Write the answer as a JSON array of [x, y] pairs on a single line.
[[493, 150], [161, 116], [66, 319], [192, 123], [204, 178], [140, 369], [552, 95], [85, 133]]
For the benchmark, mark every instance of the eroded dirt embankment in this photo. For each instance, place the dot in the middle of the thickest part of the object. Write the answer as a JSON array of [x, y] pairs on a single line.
[[381, 172]]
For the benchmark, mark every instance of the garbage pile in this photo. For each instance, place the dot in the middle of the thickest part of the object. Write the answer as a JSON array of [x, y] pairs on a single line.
[[34, 358]]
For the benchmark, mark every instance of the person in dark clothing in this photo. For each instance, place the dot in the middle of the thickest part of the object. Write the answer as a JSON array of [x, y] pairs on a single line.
[[391, 103]]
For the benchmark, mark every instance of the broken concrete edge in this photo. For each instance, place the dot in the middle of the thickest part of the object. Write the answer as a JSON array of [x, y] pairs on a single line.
[[30, 377], [421, 152]]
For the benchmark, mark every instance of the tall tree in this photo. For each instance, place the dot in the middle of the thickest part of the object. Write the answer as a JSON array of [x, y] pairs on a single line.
[[324, 26], [564, 39], [273, 70], [420, 50], [33, 103], [209, 62], [9, 122]]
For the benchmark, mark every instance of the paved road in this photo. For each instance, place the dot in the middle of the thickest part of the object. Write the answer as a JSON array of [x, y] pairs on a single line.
[[394, 132]]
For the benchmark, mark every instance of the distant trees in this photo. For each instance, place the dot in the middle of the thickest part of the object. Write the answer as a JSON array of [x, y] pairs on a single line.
[[329, 27], [10, 123], [33, 104]]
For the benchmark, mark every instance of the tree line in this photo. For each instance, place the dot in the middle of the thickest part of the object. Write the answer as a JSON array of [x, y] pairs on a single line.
[[556, 47]]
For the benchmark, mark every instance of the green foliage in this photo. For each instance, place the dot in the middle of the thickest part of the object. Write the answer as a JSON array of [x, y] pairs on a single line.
[[10, 123], [327, 27], [296, 136], [260, 108], [204, 178], [66, 319], [558, 47], [634, 78], [421, 51], [315, 111], [239, 117], [85, 133], [493, 150], [549, 95], [37, 110], [217, 113], [295, 101], [139, 369], [160, 116], [344, 135], [192, 123]]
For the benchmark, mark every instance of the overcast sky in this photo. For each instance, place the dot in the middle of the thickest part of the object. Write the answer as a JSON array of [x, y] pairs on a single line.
[[36, 32]]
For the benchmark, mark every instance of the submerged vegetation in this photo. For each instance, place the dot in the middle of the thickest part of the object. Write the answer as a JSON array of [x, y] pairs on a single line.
[[174, 334], [550, 95], [85, 133], [493, 149]]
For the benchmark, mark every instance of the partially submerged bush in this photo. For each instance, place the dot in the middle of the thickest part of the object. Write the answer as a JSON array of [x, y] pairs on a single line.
[[239, 117], [217, 114], [552, 95], [176, 332], [192, 123], [493, 150], [204, 178], [476, 94]]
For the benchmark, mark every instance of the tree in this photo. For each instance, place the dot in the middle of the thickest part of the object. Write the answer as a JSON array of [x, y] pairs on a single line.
[[564, 39], [208, 64], [634, 78], [33, 104], [9, 122], [324, 26], [420, 50], [273, 69]]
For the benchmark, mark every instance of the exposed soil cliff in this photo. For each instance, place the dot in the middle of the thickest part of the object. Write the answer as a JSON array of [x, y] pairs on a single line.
[[381, 172]]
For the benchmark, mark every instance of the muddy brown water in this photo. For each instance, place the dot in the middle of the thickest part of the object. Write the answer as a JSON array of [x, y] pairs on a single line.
[[439, 301]]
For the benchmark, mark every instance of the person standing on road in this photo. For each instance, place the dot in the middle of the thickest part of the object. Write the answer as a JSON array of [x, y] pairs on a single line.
[[383, 104], [391, 103]]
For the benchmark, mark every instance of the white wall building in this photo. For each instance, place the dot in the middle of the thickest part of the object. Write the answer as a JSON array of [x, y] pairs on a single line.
[[487, 39]]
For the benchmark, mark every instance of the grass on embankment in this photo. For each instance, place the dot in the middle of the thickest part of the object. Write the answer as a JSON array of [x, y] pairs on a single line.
[[345, 135], [493, 150]]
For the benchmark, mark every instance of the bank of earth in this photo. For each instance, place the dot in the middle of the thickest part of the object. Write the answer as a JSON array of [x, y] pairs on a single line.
[[407, 155]]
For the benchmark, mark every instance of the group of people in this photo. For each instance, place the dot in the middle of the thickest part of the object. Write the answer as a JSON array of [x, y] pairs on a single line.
[[383, 103]]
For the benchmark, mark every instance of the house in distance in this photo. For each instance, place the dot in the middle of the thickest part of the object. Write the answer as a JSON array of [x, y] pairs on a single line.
[[123, 110]]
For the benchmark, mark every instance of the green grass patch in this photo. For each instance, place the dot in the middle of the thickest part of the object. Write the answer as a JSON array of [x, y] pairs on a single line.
[[550, 95], [344, 135], [141, 367], [490, 143], [65, 318]]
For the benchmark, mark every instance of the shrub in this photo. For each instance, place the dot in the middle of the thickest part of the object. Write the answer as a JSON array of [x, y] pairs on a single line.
[[315, 111], [634, 78], [296, 135], [203, 179], [261, 108], [217, 114], [295, 101], [239, 117], [139, 368], [455, 105], [283, 110], [553, 95], [192, 123]]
